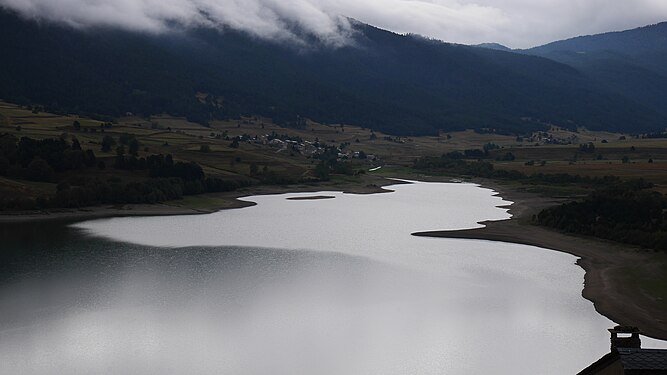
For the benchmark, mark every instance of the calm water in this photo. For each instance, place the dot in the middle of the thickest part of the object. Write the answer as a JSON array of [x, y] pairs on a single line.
[[336, 286]]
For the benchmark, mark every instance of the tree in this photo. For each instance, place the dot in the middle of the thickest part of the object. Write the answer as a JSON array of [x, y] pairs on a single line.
[[8, 145], [107, 143], [235, 143], [76, 125], [89, 158], [125, 138], [508, 157], [489, 146], [204, 148], [322, 171], [39, 170], [4, 165], [133, 147], [76, 146], [587, 147], [120, 157]]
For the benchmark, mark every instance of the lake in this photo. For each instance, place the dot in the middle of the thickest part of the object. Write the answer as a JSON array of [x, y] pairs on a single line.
[[295, 286]]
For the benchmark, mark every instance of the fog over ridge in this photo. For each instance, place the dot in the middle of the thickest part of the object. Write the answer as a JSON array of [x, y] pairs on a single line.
[[516, 23], [267, 19]]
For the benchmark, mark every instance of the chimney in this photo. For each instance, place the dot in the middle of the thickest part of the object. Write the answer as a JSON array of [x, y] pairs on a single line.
[[624, 337]]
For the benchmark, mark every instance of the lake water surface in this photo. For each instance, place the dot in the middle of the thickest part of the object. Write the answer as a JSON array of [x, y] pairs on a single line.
[[330, 286]]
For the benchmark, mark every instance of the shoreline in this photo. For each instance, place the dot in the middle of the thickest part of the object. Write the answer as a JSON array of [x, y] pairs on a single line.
[[601, 260], [110, 211], [604, 262], [220, 201]]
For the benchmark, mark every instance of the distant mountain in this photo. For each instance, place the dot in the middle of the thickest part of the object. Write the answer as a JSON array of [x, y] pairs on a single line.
[[496, 46], [396, 83], [632, 63]]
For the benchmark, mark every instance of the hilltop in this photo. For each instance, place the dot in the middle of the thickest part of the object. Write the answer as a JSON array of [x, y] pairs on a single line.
[[629, 63], [398, 84]]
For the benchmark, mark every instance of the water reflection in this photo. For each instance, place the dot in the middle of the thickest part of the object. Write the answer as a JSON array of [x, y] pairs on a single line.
[[232, 293]]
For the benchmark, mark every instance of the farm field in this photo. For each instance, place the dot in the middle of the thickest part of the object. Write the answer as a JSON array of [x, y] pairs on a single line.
[[292, 153]]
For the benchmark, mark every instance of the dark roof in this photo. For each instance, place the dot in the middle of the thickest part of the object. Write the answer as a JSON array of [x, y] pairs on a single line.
[[643, 359], [601, 363], [632, 359]]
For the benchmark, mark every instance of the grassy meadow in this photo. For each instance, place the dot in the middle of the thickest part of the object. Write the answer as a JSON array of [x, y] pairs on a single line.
[[553, 152]]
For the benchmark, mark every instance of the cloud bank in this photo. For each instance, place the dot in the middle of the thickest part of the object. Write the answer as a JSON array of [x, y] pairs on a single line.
[[516, 23], [270, 19]]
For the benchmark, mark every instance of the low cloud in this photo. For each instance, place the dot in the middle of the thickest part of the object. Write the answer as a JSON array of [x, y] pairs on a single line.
[[517, 23], [270, 19]]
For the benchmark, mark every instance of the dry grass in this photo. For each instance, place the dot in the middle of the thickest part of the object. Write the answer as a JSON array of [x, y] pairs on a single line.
[[166, 134]]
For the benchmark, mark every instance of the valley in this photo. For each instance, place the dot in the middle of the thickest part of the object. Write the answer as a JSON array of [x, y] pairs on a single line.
[[330, 184]]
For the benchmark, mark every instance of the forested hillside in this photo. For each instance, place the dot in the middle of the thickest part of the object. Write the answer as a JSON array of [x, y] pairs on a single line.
[[394, 83], [630, 63]]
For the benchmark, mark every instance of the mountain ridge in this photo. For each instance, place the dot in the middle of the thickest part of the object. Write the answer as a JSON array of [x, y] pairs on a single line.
[[630, 62], [401, 84]]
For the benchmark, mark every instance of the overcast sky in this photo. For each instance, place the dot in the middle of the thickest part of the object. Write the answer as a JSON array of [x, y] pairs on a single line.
[[515, 23]]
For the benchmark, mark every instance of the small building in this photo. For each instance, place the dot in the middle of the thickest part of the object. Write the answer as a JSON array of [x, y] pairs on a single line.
[[627, 357]]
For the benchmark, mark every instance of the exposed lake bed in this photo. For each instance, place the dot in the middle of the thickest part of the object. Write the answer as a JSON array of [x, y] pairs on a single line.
[[302, 286]]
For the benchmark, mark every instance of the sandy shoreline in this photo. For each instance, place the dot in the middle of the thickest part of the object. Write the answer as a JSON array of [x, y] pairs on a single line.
[[602, 260]]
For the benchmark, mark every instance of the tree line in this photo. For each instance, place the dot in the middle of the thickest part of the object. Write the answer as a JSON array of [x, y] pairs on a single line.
[[41, 160], [627, 212], [454, 164], [47, 160]]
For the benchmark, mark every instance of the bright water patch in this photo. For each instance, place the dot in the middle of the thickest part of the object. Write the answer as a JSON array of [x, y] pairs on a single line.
[[330, 286]]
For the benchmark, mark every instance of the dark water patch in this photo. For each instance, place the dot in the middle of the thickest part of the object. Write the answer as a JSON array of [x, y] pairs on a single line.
[[311, 198]]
